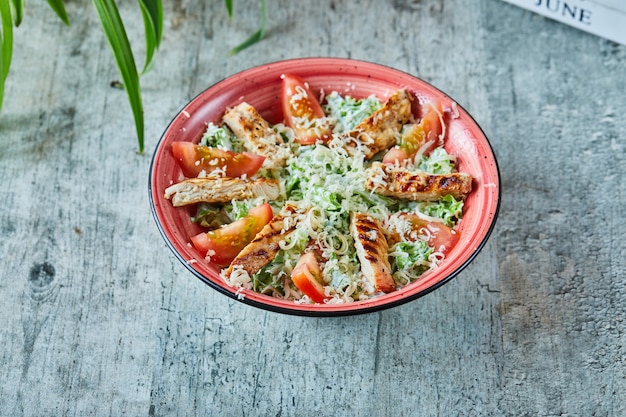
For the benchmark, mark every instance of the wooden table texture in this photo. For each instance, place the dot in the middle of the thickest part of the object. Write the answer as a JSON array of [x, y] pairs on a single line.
[[98, 318]]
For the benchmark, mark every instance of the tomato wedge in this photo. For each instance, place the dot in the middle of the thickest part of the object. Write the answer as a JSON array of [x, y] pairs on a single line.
[[224, 244], [427, 133], [441, 237], [307, 276], [193, 159], [395, 154], [303, 113]]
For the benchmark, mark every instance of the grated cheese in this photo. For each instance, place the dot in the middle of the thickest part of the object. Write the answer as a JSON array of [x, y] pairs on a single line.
[[322, 185]]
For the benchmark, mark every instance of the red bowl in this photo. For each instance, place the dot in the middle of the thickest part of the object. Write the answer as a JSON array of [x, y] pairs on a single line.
[[261, 86]]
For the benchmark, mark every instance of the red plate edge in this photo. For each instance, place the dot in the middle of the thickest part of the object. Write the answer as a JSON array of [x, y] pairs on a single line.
[[360, 78]]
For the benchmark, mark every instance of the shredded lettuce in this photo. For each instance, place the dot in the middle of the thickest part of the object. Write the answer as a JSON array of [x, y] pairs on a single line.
[[237, 209], [340, 279], [438, 162], [409, 260], [448, 209], [220, 137], [269, 279], [408, 255], [331, 180], [349, 112], [210, 216]]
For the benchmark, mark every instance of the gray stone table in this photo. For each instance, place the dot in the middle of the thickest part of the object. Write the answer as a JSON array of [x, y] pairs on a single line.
[[98, 318]]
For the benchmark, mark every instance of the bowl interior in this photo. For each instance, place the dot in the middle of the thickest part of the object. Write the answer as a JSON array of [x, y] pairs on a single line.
[[261, 86]]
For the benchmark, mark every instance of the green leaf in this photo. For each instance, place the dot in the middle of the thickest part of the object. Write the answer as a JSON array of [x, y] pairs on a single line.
[[229, 7], [255, 37], [152, 11], [6, 43], [116, 35], [59, 9], [18, 11]]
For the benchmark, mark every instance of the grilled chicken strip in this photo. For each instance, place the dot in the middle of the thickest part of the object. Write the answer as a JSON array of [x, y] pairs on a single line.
[[372, 251], [264, 247], [220, 190], [256, 134], [399, 182], [380, 131]]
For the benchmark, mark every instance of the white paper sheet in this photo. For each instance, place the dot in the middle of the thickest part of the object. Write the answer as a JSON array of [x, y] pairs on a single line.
[[605, 18]]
